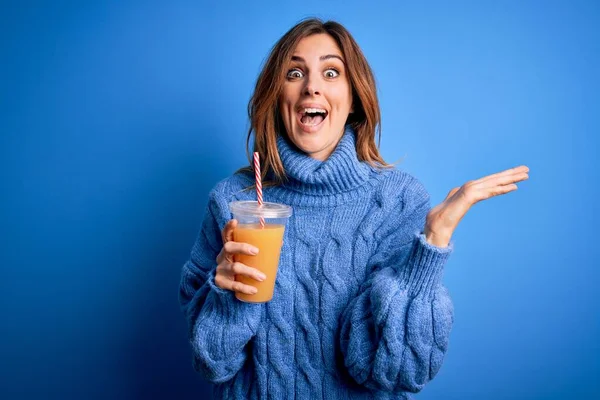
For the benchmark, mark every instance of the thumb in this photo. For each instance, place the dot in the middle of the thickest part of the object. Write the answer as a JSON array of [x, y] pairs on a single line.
[[451, 193]]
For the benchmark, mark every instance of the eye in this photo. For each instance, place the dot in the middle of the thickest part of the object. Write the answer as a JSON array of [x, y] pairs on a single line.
[[294, 73], [331, 73]]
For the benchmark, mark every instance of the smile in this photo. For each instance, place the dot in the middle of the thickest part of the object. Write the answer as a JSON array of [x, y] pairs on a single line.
[[310, 119]]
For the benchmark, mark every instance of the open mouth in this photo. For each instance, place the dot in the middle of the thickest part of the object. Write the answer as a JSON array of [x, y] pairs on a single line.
[[310, 118]]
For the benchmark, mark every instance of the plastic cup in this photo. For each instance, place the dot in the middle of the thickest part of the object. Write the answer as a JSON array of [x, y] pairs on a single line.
[[267, 239]]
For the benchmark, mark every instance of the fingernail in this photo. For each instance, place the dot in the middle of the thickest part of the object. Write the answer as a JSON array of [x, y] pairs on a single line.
[[254, 250], [262, 277], [254, 290]]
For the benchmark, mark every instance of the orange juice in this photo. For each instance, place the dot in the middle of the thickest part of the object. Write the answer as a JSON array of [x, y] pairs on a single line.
[[268, 240]]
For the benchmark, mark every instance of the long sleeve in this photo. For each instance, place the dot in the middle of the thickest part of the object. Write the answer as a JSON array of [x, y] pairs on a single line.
[[394, 333], [220, 326]]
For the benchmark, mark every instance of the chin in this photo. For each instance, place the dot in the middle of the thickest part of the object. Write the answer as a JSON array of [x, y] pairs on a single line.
[[309, 140], [315, 141], [312, 144]]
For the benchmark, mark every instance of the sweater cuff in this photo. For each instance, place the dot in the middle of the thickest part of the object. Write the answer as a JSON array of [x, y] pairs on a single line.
[[426, 266]]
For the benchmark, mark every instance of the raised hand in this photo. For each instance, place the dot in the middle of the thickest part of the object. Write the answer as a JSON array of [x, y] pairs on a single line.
[[443, 219]]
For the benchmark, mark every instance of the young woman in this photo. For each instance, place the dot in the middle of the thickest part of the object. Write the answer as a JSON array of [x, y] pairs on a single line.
[[359, 310]]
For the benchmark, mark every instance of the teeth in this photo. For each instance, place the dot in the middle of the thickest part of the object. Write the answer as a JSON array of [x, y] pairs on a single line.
[[314, 110]]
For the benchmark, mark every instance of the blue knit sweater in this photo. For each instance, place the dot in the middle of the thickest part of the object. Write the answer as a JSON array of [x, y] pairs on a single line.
[[359, 311]]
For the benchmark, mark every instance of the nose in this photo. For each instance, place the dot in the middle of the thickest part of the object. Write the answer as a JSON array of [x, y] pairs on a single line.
[[310, 91], [311, 88]]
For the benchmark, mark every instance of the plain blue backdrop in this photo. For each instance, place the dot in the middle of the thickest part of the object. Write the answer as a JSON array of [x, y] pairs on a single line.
[[117, 118]]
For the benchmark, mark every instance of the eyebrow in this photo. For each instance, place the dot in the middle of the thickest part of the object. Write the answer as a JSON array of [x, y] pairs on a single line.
[[322, 58]]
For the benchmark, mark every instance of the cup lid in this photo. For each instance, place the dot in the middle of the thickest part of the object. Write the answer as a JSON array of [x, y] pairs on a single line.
[[267, 210]]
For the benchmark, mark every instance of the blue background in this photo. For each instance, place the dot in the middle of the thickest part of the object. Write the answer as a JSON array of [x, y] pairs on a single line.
[[117, 119]]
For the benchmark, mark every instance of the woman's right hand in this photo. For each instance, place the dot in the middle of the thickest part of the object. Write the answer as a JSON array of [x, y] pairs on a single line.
[[227, 269]]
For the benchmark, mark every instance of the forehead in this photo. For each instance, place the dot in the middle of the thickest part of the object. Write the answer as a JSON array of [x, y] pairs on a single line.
[[317, 45]]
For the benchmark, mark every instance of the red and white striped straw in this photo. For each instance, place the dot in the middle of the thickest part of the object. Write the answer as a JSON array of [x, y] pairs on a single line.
[[258, 180]]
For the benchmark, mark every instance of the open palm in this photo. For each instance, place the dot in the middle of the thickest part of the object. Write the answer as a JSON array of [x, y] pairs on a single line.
[[443, 219]]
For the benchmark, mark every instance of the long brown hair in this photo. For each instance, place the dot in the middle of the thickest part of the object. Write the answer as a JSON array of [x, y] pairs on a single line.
[[263, 111]]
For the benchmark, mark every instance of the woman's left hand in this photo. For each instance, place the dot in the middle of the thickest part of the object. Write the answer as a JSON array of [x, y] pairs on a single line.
[[443, 219]]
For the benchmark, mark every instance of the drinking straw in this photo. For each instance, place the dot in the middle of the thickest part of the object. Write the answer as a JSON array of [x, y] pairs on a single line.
[[258, 180]]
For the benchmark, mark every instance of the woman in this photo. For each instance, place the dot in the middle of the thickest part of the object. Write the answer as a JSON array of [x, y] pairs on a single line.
[[359, 310]]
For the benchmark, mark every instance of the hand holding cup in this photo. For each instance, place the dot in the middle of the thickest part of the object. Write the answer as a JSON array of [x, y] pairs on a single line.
[[227, 268]]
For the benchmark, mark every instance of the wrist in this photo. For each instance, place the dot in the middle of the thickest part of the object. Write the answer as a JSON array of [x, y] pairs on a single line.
[[439, 239], [436, 241]]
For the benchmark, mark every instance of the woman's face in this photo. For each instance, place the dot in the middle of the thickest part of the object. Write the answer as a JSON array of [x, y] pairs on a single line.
[[316, 97]]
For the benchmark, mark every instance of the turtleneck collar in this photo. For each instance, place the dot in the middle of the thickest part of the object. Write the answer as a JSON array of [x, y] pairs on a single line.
[[341, 172]]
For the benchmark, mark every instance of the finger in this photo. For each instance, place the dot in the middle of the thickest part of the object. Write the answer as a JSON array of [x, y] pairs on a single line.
[[241, 269], [451, 193], [225, 269], [506, 180], [240, 248], [224, 256], [227, 234], [221, 257], [498, 190], [234, 286], [230, 270], [240, 287], [221, 281], [500, 185], [511, 171]]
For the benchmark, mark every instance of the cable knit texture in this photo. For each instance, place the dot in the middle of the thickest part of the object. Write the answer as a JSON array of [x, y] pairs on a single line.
[[359, 311]]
